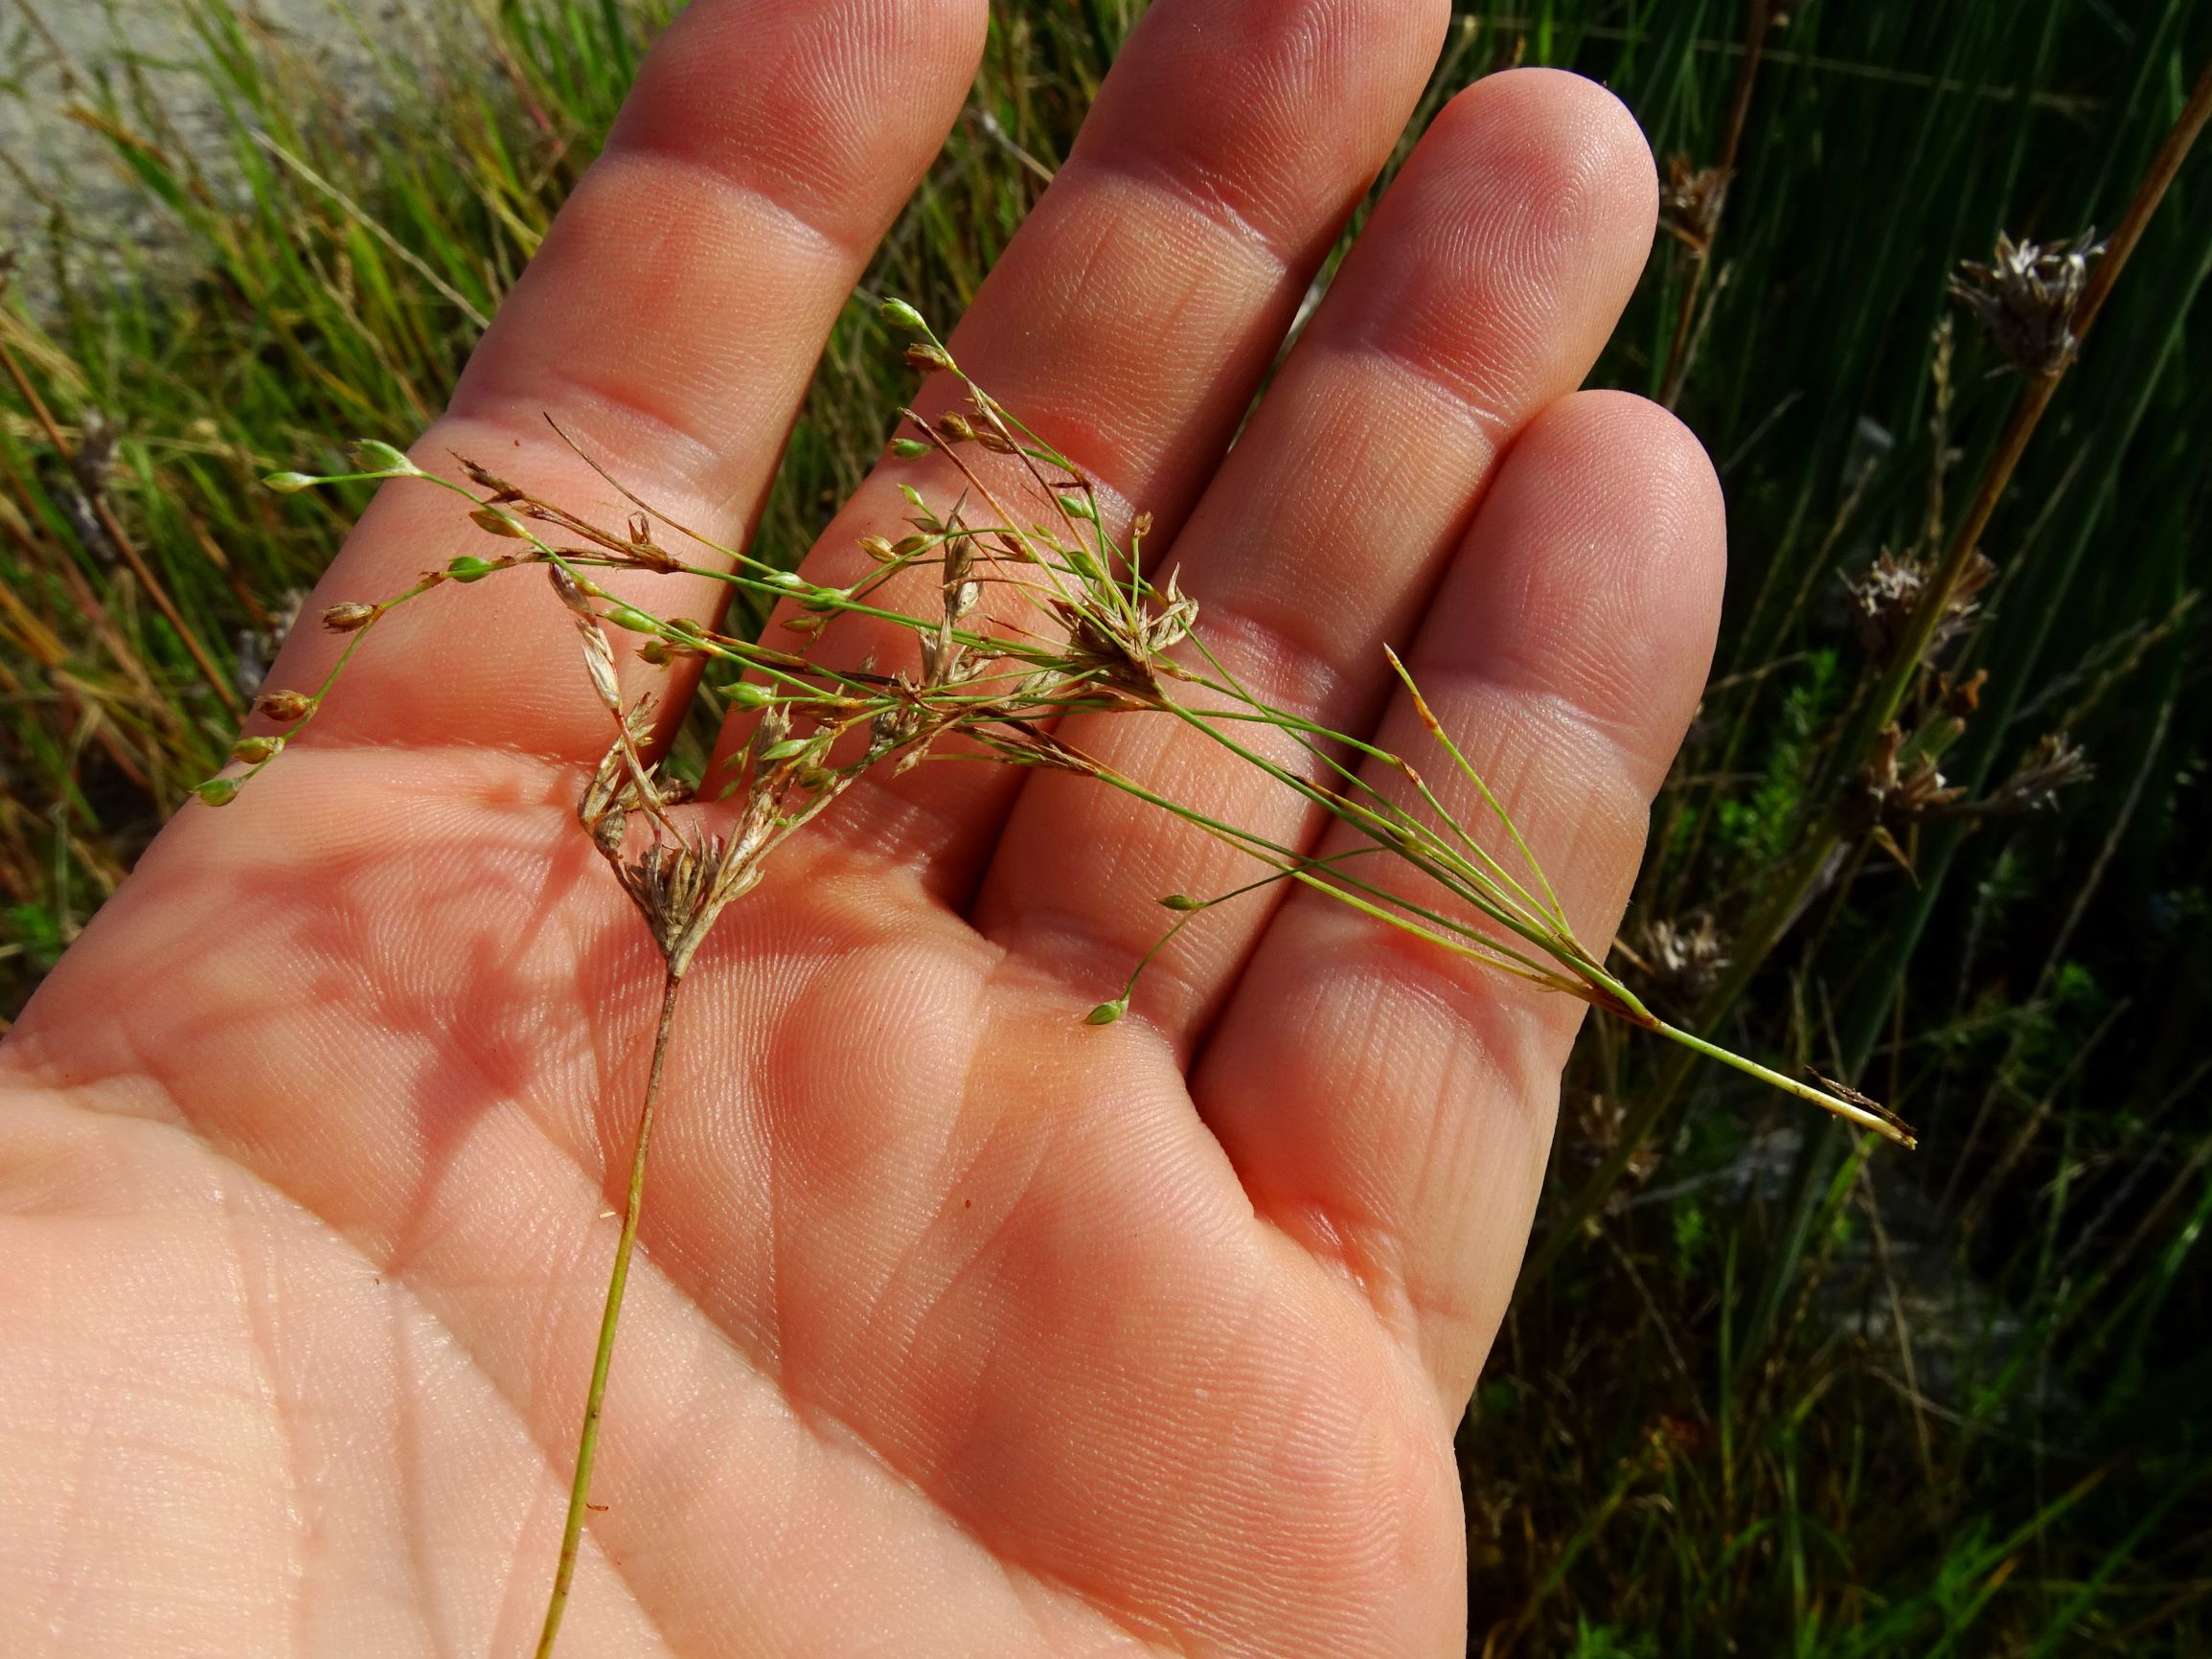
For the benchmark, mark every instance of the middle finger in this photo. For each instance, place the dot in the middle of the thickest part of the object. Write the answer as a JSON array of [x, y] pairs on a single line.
[[1483, 289], [1135, 312]]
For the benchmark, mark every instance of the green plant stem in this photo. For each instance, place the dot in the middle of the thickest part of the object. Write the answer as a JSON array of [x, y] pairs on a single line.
[[1859, 1115], [617, 1283]]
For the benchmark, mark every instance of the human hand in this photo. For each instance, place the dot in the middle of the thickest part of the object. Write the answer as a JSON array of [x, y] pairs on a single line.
[[962, 1327]]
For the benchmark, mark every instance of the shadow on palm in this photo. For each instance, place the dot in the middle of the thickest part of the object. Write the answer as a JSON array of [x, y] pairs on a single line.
[[909, 1215]]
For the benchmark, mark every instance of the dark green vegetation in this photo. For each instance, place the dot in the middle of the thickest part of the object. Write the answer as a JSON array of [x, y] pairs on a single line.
[[1764, 1382]]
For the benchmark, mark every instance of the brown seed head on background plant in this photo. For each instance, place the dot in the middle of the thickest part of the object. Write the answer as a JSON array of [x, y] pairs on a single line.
[[2056, 762], [1596, 1126], [1899, 785], [2026, 297], [1886, 598], [1682, 958], [1690, 203]]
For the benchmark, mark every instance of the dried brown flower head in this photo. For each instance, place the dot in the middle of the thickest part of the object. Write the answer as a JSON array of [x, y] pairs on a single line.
[[979, 426], [508, 504], [681, 888], [1122, 650], [2026, 297], [1900, 787], [93, 462], [1690, 203], [2054, 763], [683, 880], [283, 707], [1596, 1126], [1684, 959], [1959, 700], [1886, 598]]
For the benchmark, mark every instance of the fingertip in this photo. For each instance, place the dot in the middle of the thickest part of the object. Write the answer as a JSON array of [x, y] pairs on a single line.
[[1577, 115], [1585, 156], [1648, 465], [1515, 237], [1645, 438], [1595, 570], [809, 102], [1255, 104]]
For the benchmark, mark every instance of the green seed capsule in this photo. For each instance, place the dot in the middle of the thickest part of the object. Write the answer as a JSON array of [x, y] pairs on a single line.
[[494, 522], [371, 455], [901, 315]]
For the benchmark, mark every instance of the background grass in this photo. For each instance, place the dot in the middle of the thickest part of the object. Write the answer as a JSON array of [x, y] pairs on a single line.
[[1764, 1389]]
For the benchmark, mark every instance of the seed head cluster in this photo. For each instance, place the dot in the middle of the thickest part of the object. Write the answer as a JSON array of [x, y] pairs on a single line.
[[2026, 297], [1885, 600]]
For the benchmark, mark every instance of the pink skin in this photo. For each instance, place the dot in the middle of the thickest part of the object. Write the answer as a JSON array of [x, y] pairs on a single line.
[[961, 1327]]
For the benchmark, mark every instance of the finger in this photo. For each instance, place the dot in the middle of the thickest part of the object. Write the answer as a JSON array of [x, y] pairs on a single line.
[[1390, 1104], [1484, 289], [669, 324], [1136, 311]]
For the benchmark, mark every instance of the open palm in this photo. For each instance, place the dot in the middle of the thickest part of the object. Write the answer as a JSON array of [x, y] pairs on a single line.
[[961, 1327]]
